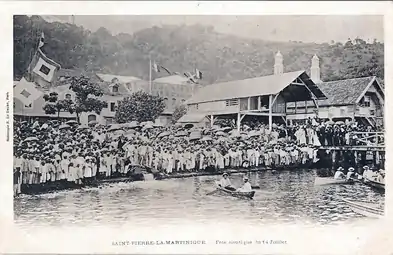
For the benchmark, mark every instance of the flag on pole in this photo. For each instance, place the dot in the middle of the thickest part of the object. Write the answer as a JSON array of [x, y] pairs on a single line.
[[198, 74], [26, 92], [42, 41], [156, 68], [42, 68]]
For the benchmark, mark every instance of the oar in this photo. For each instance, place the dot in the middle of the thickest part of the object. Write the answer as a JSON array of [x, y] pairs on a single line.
[[211, 193]]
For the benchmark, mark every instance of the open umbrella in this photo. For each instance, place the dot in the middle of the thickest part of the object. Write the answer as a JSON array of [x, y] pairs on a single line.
[[29, 139], [163, 134], [235, 133], [220, 133], [330, 122], [148, 126], [195, 135], [114, 127], [157, 125], [71, 122], [181, 133], [254, 133], [64, 126], [340, 122], [206, 138], [132, 124], [225, 129], [92, 123], [189, 125]]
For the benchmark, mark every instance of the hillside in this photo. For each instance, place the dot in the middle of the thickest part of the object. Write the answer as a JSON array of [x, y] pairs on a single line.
[[220, 57]]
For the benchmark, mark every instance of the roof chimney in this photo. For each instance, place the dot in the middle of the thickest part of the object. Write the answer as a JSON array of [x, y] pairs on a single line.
[[315, 70], [278, 64]]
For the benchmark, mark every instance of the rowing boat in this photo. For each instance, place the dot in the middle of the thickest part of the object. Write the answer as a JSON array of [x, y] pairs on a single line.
[[320, 181], [366, 209], [249, 195], [375, 184]]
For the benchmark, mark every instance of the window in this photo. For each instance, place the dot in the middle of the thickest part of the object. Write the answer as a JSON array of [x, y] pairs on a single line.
[[115, 89], [28, 106], [367, 101], [44, 69], [68, 96], [109, 121], [25, 93], [232, 102], [113, 107], [91, 118]]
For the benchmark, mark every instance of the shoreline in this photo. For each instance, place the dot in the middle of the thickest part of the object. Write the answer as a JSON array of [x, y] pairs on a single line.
[[46, 188]]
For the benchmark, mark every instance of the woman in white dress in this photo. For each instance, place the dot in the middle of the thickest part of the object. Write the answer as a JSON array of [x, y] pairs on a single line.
[[169, 167]]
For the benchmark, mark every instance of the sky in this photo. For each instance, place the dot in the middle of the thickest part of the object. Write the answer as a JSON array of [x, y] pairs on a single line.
[[304, 28]]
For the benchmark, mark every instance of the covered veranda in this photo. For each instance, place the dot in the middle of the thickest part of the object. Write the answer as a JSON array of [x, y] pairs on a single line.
[[271, 101]]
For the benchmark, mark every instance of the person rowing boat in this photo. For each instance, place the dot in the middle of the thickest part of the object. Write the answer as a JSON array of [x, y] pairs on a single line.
[[246, 186], [226, 183], [339, 175]]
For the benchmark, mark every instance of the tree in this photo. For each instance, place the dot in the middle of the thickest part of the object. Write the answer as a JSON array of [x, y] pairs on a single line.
[[54, 105], [86, 96], [179, 112], [140, 106]]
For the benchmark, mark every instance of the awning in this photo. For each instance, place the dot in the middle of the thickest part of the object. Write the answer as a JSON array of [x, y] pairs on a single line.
[[192, 118]]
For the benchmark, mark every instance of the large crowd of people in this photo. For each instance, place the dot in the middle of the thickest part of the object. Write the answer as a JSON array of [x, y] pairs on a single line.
[[52, 151]]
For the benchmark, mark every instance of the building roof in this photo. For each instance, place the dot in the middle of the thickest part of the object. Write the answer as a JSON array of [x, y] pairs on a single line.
[[121, 79], [265, 85], [37, 109], [173, 79], [341, 92]]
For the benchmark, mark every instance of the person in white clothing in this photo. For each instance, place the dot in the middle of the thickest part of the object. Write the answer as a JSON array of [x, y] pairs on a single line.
[[351, 173], [225, 182], [246, 186], [339, 174]]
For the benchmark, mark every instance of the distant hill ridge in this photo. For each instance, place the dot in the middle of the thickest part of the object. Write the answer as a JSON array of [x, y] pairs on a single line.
[[220, 57]]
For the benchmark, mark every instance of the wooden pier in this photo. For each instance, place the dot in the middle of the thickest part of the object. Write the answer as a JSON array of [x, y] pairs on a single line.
[[365, 148]]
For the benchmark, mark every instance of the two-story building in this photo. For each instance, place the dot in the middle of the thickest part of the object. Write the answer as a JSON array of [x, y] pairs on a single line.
[[288, 97]]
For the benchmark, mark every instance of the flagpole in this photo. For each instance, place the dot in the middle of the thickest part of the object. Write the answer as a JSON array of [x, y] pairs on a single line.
[[150, 74]]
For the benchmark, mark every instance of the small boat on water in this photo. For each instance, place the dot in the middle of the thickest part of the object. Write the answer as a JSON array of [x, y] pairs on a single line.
[[249, 195], [375, 184], [365, 208], [321, 181]]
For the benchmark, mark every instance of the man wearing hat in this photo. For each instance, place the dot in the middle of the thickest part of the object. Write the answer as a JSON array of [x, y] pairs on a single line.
[[339, 174], [225, 182], [246, 186], [351, 173]]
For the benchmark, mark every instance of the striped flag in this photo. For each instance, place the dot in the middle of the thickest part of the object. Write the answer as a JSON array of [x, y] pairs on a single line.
[[156, 68], [42, 68]]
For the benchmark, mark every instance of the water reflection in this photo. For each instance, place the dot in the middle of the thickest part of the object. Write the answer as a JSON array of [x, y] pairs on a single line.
[[283, 197]]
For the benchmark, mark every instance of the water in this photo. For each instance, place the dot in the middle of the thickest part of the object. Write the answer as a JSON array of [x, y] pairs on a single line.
[[284, 197]]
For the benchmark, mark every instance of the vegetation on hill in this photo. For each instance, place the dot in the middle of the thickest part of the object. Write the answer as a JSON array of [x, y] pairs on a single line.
[[220, 57]]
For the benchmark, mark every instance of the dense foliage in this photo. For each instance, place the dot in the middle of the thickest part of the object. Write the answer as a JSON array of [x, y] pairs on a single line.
[[179, 112], [86, 96], [220, 57], [140, 106], [54, 105]]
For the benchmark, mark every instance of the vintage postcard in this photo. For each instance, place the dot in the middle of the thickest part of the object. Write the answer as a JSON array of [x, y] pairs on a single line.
[[192, 128]]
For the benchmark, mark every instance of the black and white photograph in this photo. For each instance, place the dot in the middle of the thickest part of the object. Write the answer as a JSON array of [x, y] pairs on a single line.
[[142, 120]]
